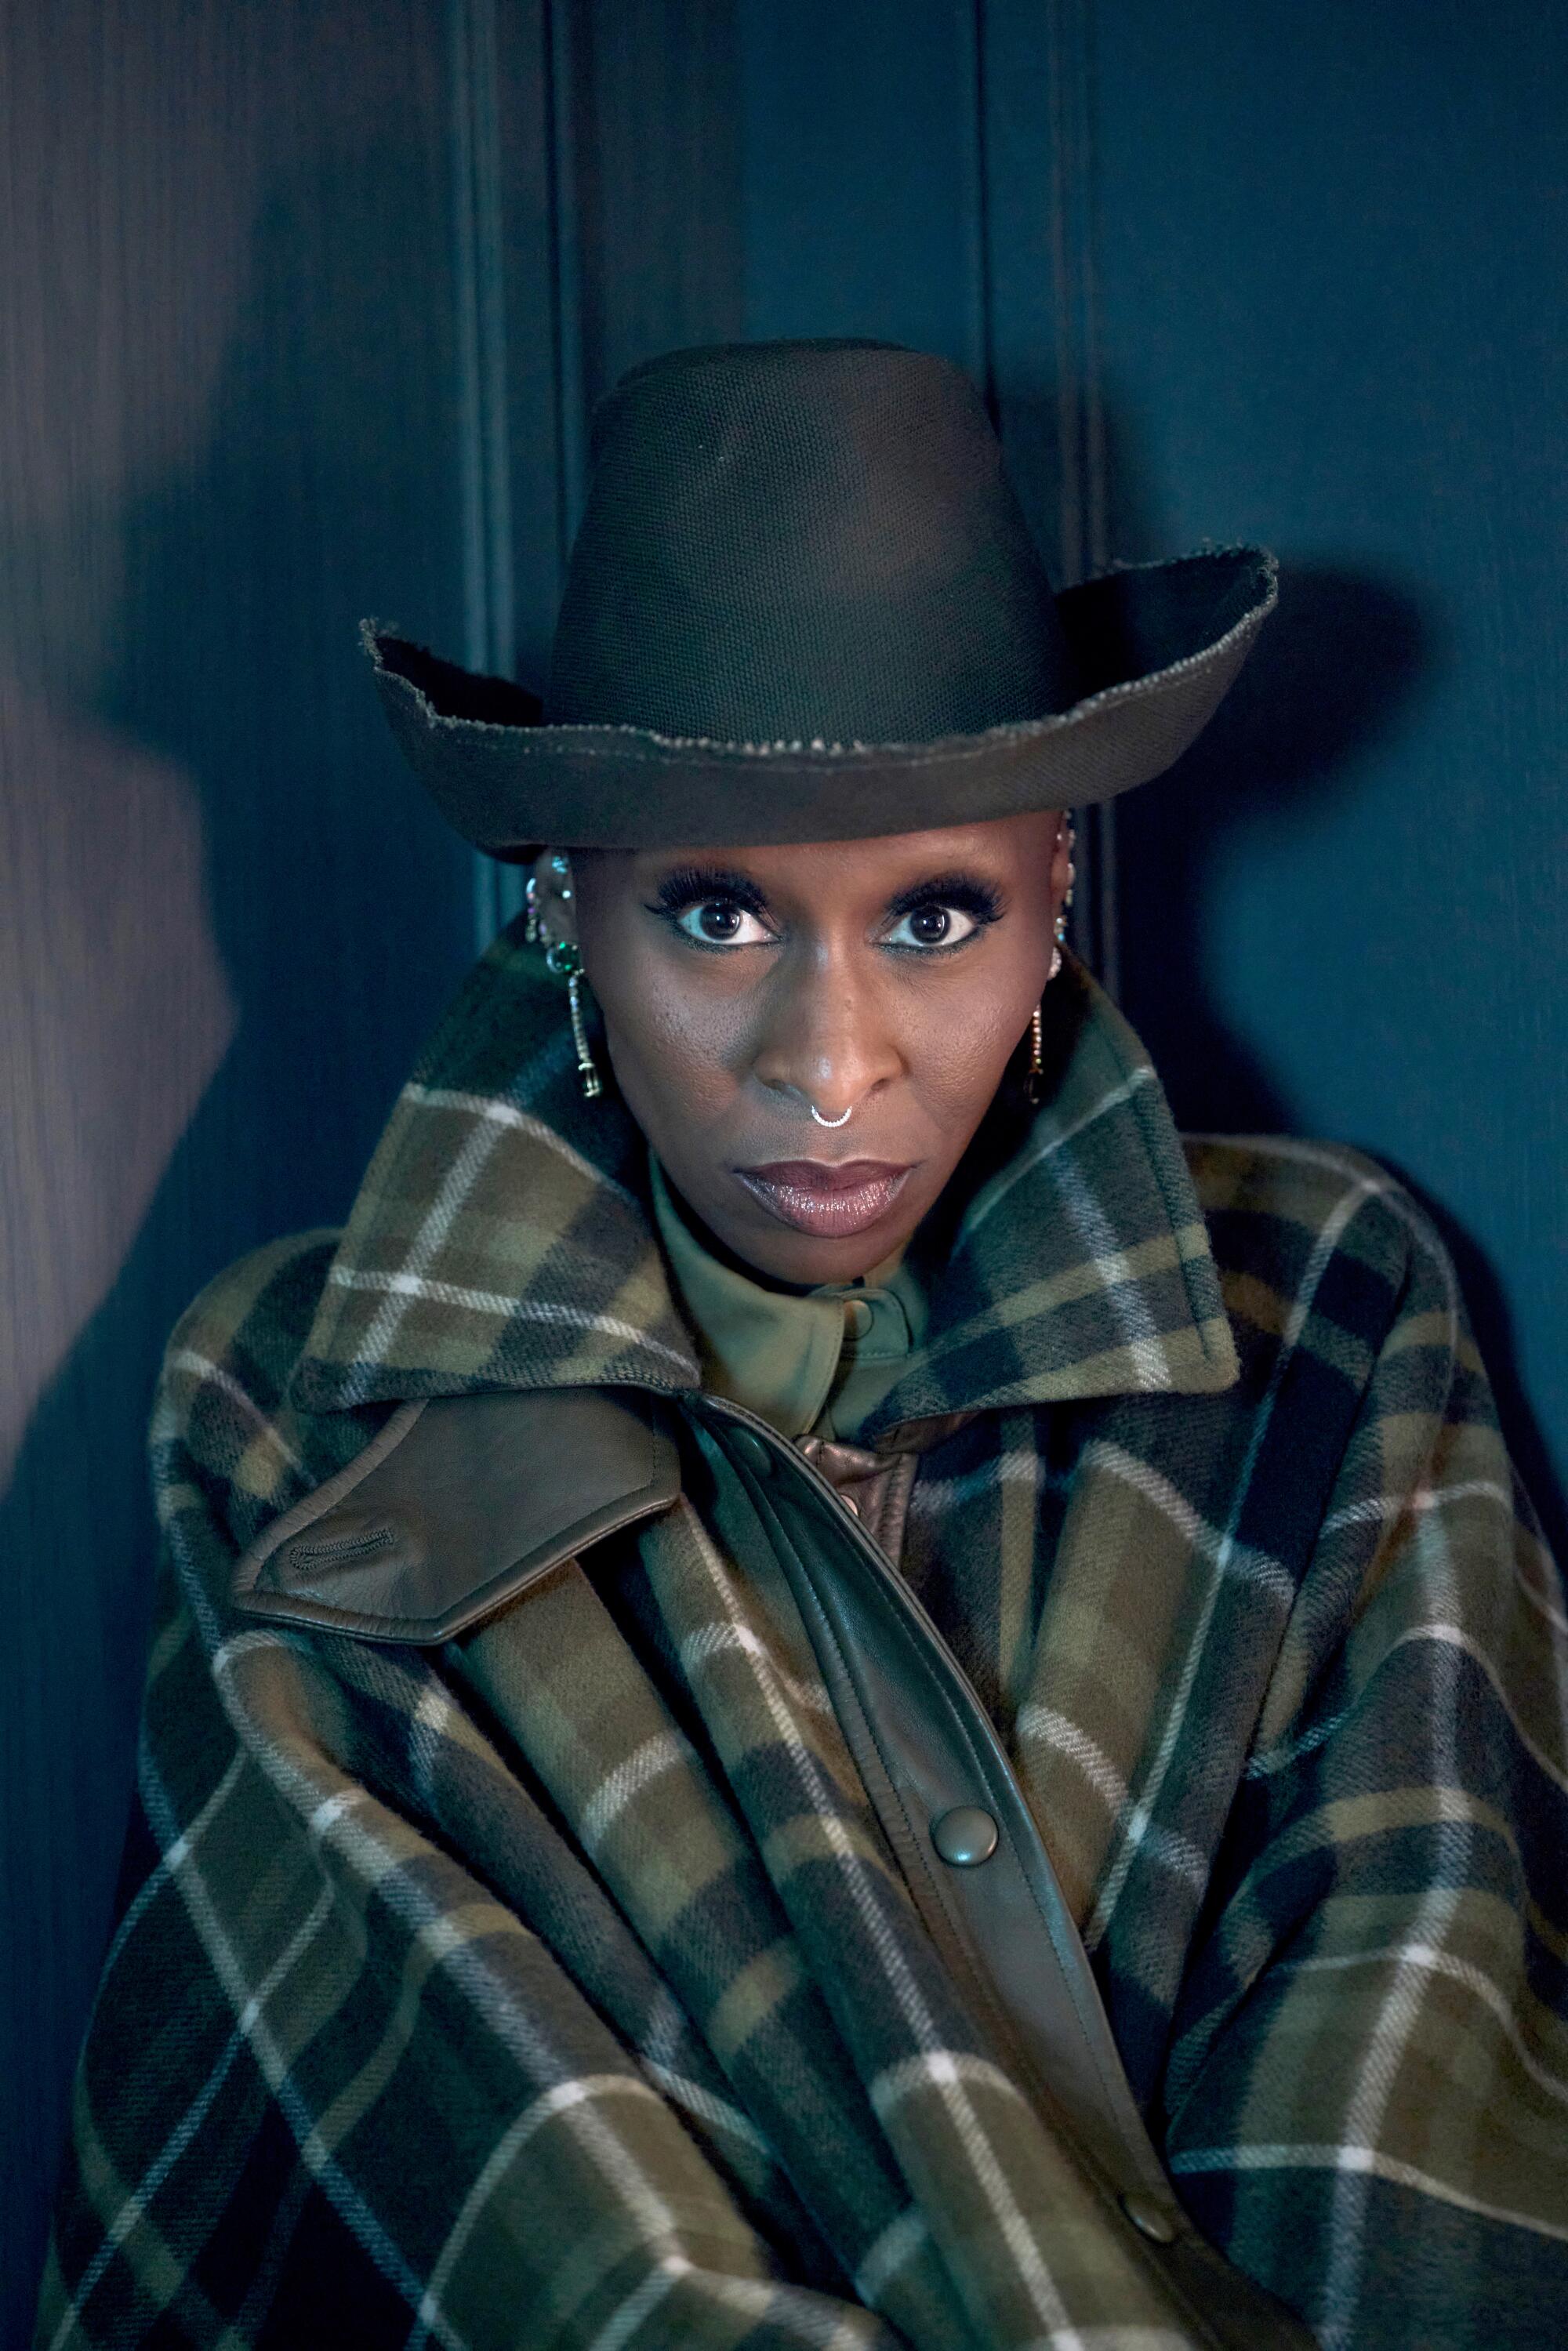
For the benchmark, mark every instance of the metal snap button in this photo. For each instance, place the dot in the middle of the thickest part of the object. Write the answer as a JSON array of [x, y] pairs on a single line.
[[1159, 2222], [753, 1452], [965, 1836], [857, 1318]]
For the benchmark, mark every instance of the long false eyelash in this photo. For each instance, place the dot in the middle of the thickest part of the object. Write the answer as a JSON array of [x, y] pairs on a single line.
[[964, 891], [688, 885]]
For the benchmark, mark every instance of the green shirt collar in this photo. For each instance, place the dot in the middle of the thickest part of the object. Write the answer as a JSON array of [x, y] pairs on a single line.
[[819, 1359]]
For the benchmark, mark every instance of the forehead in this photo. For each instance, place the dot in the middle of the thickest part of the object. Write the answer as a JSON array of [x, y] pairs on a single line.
[[891, 861]]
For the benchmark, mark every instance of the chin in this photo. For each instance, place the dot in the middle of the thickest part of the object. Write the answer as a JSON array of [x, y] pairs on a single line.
[[806, 1263], [807, 1260]]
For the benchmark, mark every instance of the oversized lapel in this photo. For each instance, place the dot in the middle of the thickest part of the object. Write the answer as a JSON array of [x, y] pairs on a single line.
[[503, 1235], [1081, 1265]]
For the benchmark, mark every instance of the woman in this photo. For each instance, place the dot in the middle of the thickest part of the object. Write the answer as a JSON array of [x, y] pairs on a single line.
[[817, 1687]]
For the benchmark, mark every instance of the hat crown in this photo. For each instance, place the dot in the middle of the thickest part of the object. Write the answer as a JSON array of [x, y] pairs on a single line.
[[799, 542]]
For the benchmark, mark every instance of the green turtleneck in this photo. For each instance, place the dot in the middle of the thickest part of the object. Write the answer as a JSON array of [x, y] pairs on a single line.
[[815, 1361]]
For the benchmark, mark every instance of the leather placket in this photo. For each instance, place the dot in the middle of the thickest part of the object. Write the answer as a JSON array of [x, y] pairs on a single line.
[[925, 1749]]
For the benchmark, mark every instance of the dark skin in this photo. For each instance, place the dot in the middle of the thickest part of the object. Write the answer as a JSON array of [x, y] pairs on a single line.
[[892, 979]]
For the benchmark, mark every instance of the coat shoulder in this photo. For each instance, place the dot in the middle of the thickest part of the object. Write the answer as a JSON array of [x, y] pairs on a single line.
[[223, 1425], [1294, 1223], [261, 1306]]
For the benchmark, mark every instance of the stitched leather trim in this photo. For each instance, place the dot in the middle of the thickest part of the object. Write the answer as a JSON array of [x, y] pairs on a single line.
[[457, 1506]]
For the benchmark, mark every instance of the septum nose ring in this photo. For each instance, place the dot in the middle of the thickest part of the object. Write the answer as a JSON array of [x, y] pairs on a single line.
[[817, 1114]]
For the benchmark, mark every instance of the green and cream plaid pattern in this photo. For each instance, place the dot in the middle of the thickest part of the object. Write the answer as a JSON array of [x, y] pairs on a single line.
[[558, 1988]]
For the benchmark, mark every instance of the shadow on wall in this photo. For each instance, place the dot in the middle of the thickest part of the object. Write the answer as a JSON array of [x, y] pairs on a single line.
[[1333, 672], [307, 897]]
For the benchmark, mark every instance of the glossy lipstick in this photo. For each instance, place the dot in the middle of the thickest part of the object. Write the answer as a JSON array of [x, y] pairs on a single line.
[[831, 1200]]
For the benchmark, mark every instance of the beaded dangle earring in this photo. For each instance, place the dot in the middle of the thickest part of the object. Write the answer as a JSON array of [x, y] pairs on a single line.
[[1072, 831], [1034, 1081], [1034, 1078], [563, 958]]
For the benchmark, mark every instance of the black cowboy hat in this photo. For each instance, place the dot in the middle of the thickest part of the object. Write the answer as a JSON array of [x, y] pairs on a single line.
[[802, 606]]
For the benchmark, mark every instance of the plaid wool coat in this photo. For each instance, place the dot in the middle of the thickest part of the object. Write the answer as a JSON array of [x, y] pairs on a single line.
[[554, 1985]]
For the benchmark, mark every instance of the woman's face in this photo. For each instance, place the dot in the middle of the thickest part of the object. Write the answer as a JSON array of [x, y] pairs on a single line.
[[886, 983]]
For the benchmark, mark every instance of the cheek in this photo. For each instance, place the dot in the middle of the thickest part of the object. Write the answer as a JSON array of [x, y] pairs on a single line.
[[963, 1045], [675, 1053]]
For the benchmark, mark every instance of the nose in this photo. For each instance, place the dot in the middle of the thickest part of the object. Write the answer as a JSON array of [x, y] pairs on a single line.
[[830, 1040]]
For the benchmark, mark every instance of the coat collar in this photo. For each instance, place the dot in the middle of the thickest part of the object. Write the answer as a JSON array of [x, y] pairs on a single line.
[[504, 1239]]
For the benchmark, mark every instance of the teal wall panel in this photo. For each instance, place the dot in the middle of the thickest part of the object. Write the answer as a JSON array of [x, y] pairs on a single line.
[[1329, 259], [1251, 271], [859, 172]]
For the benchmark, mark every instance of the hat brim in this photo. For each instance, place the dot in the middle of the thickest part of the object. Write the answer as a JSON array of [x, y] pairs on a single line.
[[1155, 647]]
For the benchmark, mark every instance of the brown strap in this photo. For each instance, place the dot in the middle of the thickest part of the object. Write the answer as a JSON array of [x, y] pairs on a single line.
[[876, 1486]]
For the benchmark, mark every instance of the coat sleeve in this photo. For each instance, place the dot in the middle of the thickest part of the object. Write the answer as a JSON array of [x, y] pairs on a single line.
[[335, 2090], [1367, 2102]]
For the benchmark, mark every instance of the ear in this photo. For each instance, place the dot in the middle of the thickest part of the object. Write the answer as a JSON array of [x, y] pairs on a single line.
[[556, 894], [1063, 873]]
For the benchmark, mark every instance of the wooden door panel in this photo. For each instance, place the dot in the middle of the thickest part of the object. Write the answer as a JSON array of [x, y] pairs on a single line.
[[227, 427]]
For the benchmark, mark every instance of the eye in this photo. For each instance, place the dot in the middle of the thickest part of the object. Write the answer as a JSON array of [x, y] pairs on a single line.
[[933, 925], [721, 923]]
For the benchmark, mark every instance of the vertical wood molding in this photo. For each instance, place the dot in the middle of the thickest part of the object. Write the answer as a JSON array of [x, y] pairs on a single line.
[[561, 69], [1081, 425], [981, 335], [514, 73], [597, 201], [483, 456], [232, 433], [1035, 199], [1083, 542]]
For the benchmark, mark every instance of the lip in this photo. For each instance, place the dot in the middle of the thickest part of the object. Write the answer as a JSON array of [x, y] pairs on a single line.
[[830, 1198]]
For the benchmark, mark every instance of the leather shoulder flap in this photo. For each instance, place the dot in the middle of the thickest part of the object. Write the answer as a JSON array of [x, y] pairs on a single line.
[[456, 1506]]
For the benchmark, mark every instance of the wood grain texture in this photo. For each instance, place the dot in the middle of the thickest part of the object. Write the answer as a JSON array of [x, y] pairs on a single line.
[[227, 428]]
